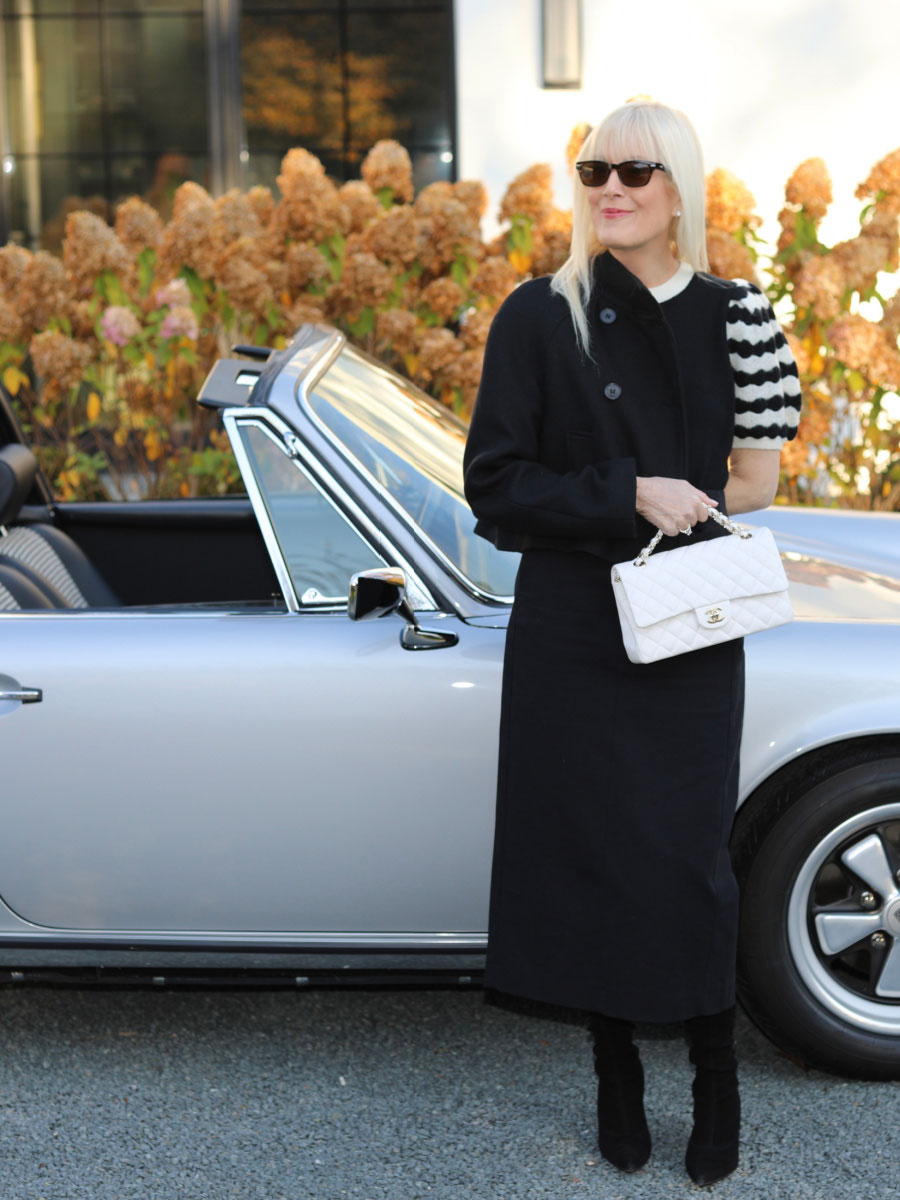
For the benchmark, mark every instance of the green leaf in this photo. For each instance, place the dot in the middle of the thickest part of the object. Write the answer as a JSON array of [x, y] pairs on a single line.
[[364, 325], [385, 196], [856, 381], [146, 269]]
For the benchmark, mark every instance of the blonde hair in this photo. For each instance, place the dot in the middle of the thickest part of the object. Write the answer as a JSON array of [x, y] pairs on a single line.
[[641, 129]]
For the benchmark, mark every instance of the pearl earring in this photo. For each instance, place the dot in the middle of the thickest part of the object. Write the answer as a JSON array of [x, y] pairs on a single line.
[[677, 212]]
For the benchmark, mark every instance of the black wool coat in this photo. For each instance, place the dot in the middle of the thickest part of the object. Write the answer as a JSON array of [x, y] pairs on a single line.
[[557, 438]]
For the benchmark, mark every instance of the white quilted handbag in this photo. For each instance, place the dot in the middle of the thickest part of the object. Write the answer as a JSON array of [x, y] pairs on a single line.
[[696, 596]]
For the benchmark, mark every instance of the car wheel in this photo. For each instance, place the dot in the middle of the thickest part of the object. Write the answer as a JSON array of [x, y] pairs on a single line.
[[818, 859]]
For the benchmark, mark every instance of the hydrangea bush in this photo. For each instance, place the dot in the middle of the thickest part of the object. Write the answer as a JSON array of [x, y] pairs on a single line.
[[104, 350]]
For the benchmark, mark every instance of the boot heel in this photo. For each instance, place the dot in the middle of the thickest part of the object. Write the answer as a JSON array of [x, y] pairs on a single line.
[[622, 1134]]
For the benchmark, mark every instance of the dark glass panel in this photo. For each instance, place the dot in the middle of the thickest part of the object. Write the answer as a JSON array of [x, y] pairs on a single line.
[[44, 8], [292, 81], [155, 179], [61, 58], [156, 89], [399, 75], [43, 191]]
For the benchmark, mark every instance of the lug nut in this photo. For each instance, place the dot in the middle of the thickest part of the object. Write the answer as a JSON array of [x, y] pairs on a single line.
[[878, 940], [867, 900]]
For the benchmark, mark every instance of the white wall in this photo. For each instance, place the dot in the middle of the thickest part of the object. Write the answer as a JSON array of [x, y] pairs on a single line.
[[766, 82]]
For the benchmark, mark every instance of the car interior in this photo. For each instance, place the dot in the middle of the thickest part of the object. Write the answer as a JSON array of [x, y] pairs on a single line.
[[110, 554]]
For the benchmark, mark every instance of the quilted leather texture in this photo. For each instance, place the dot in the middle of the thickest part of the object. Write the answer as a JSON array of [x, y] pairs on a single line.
[[696, 596]]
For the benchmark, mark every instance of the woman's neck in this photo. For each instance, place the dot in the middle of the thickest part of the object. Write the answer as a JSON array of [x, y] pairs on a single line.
[[649, 266]]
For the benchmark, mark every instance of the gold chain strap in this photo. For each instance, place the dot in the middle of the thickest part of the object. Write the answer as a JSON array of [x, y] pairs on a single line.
[[719, 518]]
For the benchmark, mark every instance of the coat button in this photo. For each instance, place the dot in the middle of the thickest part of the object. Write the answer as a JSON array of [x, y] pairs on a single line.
[[607, 315], [612, 391]]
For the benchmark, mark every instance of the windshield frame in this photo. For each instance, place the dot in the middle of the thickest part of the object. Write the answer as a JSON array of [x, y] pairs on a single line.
[[308, 383]]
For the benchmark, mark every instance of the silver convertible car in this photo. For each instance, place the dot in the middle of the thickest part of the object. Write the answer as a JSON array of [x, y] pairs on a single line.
[[208, 768]]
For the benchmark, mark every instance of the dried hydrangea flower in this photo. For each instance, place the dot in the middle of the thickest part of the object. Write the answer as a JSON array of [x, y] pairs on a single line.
[[175, 292], [730, 205], [529, 195], [244, 281], [180, 321], [307, 310], [59, 359], [861, 259], [44, 290], [309, 208], [138, 225], [447, 233], [186, 239], [306, 267], [360, 204], [119, 324], [729, 258], [261, 201], [13, 261], [552, 243], [809, 187], [234, 217], [443, 297], [366, 281], [800, 350], [576, 140], [890, 320], [866, 347], [438, 349], [394, 237], [820, 284], [464, 373], [473, 195], [495, 279], [90, 248], [388, 166], [474, 329], [395, 330], [883, 183], [11, 327]]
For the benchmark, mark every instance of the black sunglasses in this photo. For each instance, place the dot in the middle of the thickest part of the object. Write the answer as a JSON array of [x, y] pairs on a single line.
[[633, 173]]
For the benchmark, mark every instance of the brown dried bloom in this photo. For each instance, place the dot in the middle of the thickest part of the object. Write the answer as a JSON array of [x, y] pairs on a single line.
[[13, 261], [309, 208], [433, 197], [395, 330], [495, 279], [260, 200], [473, 195], [576, 141], [884, 224], [552, 244], [729, 258], [890, 321], [447, 232], [245, 282], [186, 239], [91, 247], [810, 188], [866, 347], [306, 267], [138, 225], [443, 297], [44, 290], [729, 203], [58, 358], [438, 351], [394, 237], [307, 310], [388, 165], [475, 328], [800, 351], [883, 183], [820, 284], [10, 323], [365, 283], [787, 218], [360, 203], [861, 258], [465, 373], [529, 195], [235, 217]]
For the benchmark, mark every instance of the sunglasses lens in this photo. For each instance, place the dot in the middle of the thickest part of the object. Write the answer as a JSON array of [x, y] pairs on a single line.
[[593, 174], [635, 174]]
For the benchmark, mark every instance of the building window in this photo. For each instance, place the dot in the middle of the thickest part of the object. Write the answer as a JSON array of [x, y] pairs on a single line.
[[102, 99]]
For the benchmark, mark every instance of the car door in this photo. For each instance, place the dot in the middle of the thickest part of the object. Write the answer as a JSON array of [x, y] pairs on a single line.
[[284, 773]]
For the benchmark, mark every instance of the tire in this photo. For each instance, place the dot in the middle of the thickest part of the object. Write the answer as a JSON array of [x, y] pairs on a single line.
[[818, 860]]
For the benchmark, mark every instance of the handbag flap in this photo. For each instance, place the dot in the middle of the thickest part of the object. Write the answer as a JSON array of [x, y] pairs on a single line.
[[692, 577]]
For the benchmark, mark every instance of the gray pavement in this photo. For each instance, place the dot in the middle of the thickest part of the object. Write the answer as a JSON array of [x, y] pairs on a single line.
[[380, 1095]]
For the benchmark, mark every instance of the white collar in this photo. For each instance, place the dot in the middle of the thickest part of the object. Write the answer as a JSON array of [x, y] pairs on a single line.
[[674, 285]]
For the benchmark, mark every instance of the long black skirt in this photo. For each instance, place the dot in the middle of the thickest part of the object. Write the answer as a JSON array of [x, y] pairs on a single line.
[[612, 888]]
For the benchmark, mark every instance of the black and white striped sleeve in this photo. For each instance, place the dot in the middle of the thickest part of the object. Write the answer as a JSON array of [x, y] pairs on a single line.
[[766, 384]]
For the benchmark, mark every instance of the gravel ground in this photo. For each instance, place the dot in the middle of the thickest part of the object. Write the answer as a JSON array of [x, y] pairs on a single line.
[[379, 1095]]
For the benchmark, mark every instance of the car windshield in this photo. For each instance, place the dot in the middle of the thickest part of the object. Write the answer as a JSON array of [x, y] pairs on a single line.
[[412, 447]]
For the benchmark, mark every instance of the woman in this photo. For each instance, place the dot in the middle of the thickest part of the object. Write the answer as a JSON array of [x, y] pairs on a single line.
[[612, 397]]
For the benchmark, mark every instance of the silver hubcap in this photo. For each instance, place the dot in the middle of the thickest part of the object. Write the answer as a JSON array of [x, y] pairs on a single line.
[[847, 949]]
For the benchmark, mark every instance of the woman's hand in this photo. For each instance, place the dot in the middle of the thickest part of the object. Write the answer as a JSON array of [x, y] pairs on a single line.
[[672, 505]]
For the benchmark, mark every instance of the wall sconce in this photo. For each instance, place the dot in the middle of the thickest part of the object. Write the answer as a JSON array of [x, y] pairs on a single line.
[[561, 49]]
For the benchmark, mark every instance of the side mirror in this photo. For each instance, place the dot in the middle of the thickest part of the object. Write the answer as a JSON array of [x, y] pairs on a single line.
[[381, 591]]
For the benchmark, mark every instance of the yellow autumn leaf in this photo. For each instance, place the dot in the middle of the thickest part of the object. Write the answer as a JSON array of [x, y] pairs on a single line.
[[184, 488], [120, 437], [93, 406], [149, 359], [13, 379], [521, 262], [152, 445], [411, 362]]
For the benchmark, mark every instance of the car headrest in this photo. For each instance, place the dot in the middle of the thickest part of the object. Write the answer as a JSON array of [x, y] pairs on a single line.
[[18, 467]]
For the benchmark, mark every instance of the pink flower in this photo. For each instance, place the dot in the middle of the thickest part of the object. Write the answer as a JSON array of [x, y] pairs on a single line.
[[175, 293], [180, 321], [119, 324]]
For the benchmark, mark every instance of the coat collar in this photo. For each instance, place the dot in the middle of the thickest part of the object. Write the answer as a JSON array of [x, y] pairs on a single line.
[[612, 278]]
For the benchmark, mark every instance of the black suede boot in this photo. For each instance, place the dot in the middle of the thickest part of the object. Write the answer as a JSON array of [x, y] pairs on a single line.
[[622, 1133], [712, 1151]]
